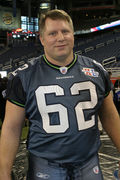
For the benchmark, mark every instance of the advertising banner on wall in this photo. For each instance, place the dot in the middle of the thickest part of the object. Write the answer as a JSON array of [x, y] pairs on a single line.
[[7, 20]]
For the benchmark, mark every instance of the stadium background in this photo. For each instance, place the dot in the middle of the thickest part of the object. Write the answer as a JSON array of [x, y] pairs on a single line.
[[97, 35], [19, 30]]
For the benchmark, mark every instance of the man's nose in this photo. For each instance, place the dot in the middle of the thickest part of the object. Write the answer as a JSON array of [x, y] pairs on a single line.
[[60, 36]]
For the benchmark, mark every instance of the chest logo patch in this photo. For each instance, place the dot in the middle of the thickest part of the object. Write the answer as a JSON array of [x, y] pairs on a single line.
[[63, 70], [90, 72]]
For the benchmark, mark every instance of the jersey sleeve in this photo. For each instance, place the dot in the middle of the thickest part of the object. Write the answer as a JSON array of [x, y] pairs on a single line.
[[108, 84], [106, 78], [15, 92]]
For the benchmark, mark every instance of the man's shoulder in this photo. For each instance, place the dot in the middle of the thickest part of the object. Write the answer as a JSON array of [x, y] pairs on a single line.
[[89, 62], [27, 67]]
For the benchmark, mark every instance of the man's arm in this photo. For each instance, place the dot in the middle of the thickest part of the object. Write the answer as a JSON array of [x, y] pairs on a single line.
[[110, 120], [10, 138]]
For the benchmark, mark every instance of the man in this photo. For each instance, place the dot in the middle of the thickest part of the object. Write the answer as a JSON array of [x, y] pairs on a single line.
[[62, 95]]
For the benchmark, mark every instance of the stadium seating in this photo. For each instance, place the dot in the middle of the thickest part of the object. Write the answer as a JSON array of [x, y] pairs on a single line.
[[103, 48]]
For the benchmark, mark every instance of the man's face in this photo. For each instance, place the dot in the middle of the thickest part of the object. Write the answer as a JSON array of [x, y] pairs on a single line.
[[57, 39]]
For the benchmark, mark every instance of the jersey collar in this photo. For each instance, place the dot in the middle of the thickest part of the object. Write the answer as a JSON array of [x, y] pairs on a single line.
[[62, 69]]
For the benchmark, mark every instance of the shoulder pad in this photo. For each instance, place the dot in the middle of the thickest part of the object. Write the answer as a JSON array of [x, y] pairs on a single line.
[[25, 66], [99, 64]]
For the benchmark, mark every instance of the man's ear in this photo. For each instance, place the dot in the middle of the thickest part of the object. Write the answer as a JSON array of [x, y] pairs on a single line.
[[41, 40]]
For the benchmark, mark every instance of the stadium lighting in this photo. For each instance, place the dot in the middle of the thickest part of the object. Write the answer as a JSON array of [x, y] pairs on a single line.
[[44, 5]]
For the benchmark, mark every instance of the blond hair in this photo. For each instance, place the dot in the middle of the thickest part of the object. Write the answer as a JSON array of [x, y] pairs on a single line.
[[54, 15]]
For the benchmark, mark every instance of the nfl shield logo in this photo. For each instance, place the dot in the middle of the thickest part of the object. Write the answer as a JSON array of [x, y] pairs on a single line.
[[63, 70]]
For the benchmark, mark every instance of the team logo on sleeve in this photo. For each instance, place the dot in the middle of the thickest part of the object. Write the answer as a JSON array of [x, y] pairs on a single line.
[[90, 72]]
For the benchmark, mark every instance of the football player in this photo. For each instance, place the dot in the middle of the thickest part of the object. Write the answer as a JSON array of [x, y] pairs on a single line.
[[62, 95]]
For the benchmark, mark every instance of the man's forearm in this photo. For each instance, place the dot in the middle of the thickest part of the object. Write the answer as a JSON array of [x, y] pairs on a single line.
[[110, 120], [9, 143]]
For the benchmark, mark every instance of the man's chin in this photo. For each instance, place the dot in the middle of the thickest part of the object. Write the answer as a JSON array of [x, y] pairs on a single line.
[[62, 57]]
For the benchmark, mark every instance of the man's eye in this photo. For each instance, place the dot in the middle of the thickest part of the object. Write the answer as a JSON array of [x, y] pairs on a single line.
[[65, 31], [52, 33]]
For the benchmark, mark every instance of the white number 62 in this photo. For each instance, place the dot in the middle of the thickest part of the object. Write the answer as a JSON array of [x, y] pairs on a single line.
[[45, 109]]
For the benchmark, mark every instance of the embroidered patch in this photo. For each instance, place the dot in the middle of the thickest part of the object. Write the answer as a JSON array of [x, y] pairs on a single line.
[[63, 70], [90, 72]]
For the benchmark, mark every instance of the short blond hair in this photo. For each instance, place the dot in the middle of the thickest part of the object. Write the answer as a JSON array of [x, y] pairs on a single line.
[[54, 15]]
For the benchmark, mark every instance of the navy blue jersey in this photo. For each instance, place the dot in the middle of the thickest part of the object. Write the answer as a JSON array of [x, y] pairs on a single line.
[[62, 106]]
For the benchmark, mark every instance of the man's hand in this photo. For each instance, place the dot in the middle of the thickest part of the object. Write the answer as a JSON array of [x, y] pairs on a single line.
[[5, 177]]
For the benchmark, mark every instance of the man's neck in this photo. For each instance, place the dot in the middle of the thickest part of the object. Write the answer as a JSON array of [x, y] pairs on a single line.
[[60, 61]]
